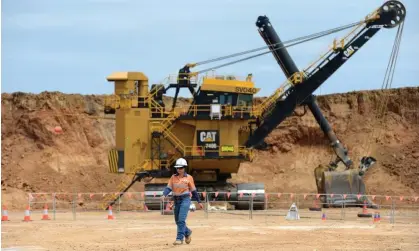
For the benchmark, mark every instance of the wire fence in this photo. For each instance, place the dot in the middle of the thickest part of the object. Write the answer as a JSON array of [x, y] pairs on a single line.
[[266, 206]]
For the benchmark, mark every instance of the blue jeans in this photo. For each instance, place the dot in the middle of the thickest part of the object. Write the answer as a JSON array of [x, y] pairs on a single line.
[[181, 212]]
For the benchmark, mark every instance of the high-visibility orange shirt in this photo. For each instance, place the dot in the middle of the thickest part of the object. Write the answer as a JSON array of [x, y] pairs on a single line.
[[181, 185]]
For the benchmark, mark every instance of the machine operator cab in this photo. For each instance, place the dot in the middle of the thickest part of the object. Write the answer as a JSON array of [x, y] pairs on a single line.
[[224, 96]]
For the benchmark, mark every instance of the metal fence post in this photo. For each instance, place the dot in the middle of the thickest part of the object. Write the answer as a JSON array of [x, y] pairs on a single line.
[[29, 201], [266, 201], [251, 207], [119, 203], [53, 204], [392, 211], [344, 209], [206, 205], [161, 206], [74, 206]]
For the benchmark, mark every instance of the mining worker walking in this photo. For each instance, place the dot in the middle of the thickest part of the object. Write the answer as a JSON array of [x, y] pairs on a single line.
[[181, 185]]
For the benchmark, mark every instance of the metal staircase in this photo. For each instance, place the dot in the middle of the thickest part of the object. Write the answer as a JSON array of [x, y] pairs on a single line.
[[112, 196], [124, 183]]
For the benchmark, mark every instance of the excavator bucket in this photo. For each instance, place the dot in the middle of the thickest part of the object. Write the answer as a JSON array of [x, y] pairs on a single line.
[[347, 185], [340, 187]]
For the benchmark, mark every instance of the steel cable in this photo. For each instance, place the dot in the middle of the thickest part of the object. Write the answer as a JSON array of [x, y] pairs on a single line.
[[305, 38], [295, 42], [387, 83]]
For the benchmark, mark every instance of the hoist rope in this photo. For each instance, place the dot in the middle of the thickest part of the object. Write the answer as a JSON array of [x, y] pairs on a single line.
[[285, 44], [387, 84]]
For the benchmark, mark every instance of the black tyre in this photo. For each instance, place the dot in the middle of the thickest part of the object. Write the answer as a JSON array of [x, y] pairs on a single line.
[[315, 209], [362, 215], [247, 190]]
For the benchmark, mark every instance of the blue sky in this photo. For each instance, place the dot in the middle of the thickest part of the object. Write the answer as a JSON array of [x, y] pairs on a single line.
[[72, 45]]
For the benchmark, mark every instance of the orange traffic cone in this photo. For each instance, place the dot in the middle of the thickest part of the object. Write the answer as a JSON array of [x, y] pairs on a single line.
[[4, 215], [45, 213], [365, 213], [323, 216], [110, 215], [364, 208], [377, 217], [27, 214]]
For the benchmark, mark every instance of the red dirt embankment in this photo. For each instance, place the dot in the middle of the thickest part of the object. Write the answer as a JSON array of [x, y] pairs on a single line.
[[36, 159]]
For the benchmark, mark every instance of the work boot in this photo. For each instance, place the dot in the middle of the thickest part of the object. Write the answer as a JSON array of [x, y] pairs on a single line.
[[178, 242], [188, 238]]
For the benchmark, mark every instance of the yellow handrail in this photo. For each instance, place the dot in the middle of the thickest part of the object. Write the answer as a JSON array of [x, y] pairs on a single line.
[[175, 140]]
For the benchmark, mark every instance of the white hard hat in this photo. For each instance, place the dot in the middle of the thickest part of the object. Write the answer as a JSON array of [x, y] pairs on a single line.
[[181, 162]]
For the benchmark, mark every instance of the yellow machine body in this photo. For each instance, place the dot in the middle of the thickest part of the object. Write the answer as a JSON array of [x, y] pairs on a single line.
[[229, 84], [149, 137]]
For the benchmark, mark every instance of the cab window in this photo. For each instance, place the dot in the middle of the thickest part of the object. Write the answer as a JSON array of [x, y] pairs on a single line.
[[244, 100], [226, 99]]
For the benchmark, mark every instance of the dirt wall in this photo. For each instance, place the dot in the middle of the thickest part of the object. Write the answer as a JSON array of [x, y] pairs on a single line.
[[383, 124]]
